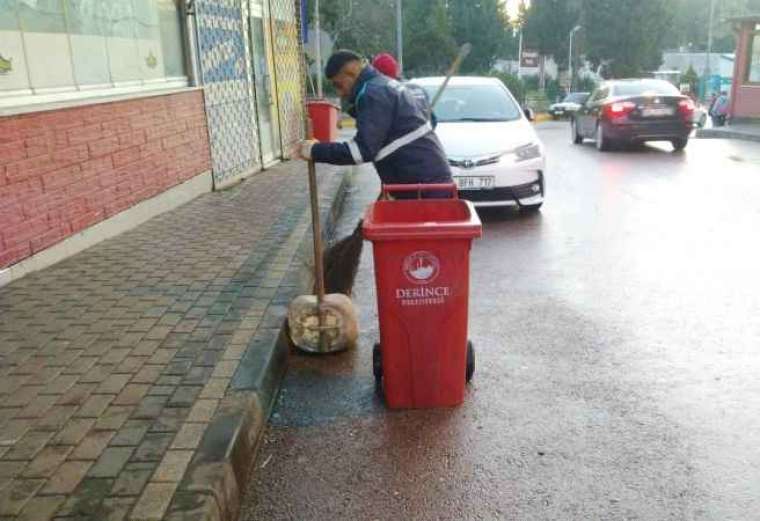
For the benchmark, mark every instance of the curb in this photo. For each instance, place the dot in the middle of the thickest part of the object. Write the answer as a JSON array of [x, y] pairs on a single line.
[[726, 134], [215, 481], [347, 122]]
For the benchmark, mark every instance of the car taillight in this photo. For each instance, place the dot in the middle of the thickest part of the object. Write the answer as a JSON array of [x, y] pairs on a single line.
[[619, 109], [686, 108]]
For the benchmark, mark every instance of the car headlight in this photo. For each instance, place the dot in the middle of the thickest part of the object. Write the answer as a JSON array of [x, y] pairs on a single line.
[[527, 152]]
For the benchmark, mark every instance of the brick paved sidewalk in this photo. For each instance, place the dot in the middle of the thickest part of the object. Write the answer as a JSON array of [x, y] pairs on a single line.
[[115, 362]]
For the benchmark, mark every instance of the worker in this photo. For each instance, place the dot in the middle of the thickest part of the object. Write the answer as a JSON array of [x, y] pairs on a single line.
[[387, 64], [392, 130]]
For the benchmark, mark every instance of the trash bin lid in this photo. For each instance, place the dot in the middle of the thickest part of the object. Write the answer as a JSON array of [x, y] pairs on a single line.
[[422, 219], [322, 102]]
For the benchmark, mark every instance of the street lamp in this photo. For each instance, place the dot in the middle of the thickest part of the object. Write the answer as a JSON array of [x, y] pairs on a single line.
[[519, 53], [318, 31], [570, 56], [708, 71]]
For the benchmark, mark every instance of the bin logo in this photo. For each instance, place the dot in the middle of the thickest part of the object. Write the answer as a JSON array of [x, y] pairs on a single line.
[[421, 267]]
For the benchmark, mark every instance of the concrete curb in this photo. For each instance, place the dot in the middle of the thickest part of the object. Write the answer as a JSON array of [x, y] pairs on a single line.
[[216, 479], [542, 117], [711, 133]]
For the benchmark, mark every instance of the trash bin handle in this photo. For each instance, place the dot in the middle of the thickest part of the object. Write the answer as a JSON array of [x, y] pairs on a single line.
[[419, 188]]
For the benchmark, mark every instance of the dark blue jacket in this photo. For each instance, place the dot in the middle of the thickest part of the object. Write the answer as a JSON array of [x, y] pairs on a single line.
[[392, 131]]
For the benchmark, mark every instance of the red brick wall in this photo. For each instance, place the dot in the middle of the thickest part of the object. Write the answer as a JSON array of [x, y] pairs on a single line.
[[745, 97], [64, 170], [747, 102]]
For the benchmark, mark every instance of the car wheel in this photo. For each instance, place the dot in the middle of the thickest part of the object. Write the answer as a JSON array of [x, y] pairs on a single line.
[[679, 144], [602, 142], [377, 362], [470, 367], [577, 138]]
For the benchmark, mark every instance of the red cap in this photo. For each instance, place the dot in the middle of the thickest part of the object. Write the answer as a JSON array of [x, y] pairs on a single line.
[[386, 64]]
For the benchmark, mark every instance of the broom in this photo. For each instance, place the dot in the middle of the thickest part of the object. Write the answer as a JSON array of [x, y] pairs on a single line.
[[341, 260]]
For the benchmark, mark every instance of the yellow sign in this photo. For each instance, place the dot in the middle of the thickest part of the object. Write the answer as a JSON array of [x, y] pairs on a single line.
[[151, 61], [6, 65]]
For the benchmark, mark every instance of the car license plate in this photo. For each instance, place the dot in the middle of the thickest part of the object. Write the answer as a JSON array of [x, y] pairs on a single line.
[[655, 112], [474, 182]]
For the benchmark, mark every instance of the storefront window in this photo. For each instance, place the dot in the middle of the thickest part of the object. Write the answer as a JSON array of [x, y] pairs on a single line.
[[60, 49], [753, 69]]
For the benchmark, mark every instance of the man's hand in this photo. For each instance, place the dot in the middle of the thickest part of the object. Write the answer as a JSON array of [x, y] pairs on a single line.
[[302, 149]]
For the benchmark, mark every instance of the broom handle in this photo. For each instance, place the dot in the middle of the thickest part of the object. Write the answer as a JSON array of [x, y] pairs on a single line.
[[463, 52], [319, 269]]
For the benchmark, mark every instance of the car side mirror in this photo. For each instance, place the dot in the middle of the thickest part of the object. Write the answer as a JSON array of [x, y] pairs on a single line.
[[529, 113]]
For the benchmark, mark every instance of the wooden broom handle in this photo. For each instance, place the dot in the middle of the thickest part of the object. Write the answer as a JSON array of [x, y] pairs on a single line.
[[319, 268]]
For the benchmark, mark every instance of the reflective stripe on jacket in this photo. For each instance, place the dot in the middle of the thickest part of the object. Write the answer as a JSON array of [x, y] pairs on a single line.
[[392, 131]]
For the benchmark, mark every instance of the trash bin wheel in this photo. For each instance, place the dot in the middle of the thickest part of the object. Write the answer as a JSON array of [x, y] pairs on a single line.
[[377, 362], [470, 362]]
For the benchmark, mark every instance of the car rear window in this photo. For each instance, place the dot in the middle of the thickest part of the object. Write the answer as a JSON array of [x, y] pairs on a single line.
[[642, 88], [474, 103]]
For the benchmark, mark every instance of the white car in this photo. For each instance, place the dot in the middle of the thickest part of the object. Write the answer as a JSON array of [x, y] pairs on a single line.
[[569, 105], [495, 155]]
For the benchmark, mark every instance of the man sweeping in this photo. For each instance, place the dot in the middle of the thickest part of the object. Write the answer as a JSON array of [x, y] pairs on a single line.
[[386, 64], [392, 131]]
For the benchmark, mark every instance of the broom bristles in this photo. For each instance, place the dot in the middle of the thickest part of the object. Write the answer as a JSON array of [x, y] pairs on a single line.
[[341, 261]]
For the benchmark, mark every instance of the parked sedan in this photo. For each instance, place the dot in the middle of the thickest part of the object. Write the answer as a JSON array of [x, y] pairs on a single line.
[[569, 105], [494, 152], [634, 111]]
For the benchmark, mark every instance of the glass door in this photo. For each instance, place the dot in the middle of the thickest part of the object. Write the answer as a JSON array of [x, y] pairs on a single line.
[[266, 106]]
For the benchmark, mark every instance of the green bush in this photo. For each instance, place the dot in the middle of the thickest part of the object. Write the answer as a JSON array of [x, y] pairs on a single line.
[[553, 90], [531, 82]]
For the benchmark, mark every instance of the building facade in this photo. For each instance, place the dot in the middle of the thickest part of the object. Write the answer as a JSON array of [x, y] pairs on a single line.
[[745, 94], [115, 111]]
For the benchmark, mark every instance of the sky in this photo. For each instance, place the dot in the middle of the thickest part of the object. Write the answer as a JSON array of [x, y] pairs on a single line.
[[513, 6]]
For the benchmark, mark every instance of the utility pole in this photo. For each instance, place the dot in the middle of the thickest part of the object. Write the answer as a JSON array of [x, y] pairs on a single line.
[[519, 54], [318, 43], [708, 68], [570, 58], [400, 37]]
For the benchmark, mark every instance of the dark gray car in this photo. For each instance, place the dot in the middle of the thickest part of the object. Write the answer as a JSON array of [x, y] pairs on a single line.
[[634, 111]]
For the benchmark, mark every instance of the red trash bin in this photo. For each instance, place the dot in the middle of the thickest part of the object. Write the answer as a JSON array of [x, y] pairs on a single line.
[[422, 272], [324, 117]]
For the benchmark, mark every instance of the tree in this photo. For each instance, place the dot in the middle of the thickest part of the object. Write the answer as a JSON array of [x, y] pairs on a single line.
[[628, 45], [366, 26], [548, 25], [429, 43], [691, 22], [433, 30], [484, 24]]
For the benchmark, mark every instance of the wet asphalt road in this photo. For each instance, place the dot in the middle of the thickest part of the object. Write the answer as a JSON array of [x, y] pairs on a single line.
[[618, 363]]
